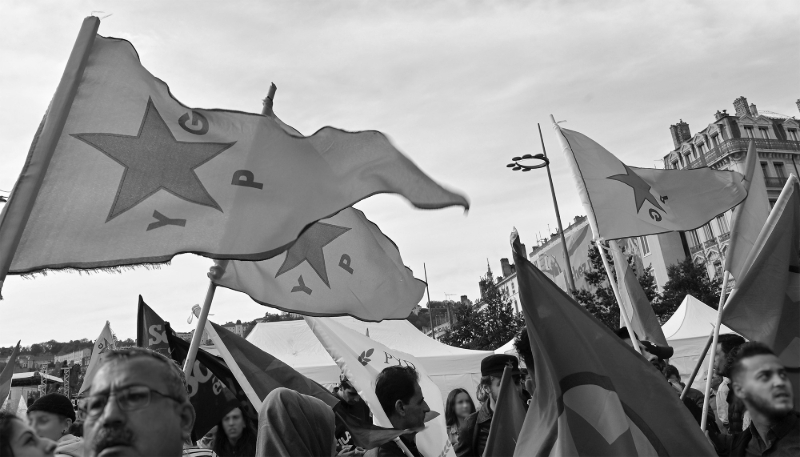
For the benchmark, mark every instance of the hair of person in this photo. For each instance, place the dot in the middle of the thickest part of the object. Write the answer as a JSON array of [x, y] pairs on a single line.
[[730, 341], [344, 384], [522, 344], [745, 351], [395, 383], [6, 428], [173, 375], [484, 389], [450, 406], [671, 370], [222, 444]]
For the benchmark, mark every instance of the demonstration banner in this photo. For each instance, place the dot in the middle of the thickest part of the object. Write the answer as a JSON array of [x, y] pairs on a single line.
[[106, 341], [361, 359]]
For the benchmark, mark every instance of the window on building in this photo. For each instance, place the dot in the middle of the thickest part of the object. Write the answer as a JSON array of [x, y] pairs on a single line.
[[715, 140], [701, 148], [722, 223], [717, 269], [765, 169], [675, 165], [772, 202], [644, 245], [780, 171], [764, 132], [692, 238], [749, 131], [709, 234], [793, 134]]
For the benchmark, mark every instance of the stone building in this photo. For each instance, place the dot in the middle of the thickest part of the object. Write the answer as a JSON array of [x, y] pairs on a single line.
[[722, 145]]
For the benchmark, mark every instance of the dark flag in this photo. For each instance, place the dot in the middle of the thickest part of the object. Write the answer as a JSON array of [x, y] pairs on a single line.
[[211, 386], [150, 332], [594, 395], [259, 373]]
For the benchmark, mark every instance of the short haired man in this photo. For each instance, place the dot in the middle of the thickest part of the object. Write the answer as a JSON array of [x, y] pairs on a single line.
[[138, 406], [759, 379], [400, 396], [352, 404], [730, 410], [474, 432]]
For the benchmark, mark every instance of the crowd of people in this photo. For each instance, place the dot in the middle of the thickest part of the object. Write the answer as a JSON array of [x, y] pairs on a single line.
[[139, 405]]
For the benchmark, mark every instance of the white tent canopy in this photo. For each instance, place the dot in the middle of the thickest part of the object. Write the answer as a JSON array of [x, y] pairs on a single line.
[[687, 332], [294, 343], [507, 348]]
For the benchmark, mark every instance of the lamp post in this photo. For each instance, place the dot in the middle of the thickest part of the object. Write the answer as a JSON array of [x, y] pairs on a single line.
[[518, 165]]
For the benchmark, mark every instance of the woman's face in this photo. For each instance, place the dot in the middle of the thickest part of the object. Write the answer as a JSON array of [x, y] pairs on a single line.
[[463, 406], [26, 443], [48, 425]]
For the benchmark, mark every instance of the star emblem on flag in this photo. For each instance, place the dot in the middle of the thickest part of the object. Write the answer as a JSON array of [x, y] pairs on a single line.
[[308, 247], [154, 160], [641, 190]]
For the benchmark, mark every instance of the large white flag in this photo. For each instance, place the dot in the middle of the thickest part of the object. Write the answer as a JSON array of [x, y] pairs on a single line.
[[361, 359], [104, 342]]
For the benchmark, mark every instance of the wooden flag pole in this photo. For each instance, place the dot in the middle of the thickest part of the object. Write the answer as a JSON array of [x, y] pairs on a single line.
[[617, 295], [698, 365], [715, 339], [215, 272]]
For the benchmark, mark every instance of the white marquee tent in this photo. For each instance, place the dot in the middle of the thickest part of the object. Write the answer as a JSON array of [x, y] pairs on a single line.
[[687, 332], [294, 343]]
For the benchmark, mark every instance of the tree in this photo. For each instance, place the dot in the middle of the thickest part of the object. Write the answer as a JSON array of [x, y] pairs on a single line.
[[37, 349], [489, 323], [602, 303], [685, 278]]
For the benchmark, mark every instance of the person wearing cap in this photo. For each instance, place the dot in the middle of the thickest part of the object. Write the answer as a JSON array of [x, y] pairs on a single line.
[[51, 417], [474, 433]]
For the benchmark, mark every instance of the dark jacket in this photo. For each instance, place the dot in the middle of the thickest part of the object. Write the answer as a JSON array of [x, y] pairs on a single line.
[[736, 411], [693, 400], [784, 440], [474, 433], [391, 449]]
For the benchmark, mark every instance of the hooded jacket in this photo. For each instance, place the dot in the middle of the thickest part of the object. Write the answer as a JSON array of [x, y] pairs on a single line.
[[69, 445]]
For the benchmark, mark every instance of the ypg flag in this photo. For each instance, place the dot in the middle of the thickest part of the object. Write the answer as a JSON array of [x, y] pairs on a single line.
[[106, 341], [361, 359], [122, 173], [765, 304], [594, 395], [624, 201], [151, 333], [340, 265], [208, 387]]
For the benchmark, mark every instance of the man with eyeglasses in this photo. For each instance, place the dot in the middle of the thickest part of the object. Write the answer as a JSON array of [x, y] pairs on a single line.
[[138, 406]]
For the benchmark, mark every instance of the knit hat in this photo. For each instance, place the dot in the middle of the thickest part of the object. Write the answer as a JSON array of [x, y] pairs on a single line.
[[54, 403]]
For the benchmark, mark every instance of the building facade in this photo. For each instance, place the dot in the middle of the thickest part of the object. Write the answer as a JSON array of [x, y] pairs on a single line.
[[723, 145], [81, 357]]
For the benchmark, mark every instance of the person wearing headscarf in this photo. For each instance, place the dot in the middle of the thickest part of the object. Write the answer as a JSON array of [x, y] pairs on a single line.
[[292, 424]]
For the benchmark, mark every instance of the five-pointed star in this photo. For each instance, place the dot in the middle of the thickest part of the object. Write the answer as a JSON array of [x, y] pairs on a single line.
[[309, 248], [153, 160], [641, 190]]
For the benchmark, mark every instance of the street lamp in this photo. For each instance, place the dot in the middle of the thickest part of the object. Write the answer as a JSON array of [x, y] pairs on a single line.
[[518, 164]]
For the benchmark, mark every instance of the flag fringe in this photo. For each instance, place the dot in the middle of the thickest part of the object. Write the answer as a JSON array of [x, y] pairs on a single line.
[[90, 271]]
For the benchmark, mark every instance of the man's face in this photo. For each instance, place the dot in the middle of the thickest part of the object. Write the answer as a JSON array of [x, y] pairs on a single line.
[[233, 425], [719, 358], [349, 395], [415, 409], [48, 425], [157, 429], [763, 386]]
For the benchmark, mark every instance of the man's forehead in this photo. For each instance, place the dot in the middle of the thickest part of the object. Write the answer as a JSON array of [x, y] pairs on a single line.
[[762, 362], [123, 372]]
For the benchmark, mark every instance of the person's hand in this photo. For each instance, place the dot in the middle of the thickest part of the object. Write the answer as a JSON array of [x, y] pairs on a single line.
[[347, 451]]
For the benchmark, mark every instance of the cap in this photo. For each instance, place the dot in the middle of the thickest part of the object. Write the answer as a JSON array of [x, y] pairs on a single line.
[[54, 403], [496, 363]]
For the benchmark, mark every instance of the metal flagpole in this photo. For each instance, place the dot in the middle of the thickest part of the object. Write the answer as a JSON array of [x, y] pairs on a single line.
[[704, 420], [570, 279], [698, 365], [217, 270], [428, 290]]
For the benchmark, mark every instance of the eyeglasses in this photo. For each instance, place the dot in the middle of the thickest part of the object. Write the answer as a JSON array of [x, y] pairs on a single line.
[[128, 399]]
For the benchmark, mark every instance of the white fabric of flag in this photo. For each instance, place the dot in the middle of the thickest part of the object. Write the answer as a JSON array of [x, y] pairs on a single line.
[[102, 344], [361, 359]]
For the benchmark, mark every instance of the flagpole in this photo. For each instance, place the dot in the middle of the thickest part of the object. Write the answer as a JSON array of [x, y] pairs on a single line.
[[428, 290], [617, 295], [570, 279], [698, 365], [596, 235], [215, 272], [715, 340]]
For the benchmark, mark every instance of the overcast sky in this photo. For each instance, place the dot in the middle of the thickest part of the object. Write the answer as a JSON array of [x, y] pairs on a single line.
[[459, 87]]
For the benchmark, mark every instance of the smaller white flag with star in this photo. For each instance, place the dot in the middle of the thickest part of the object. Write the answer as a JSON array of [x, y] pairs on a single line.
[[104, 343], [625, 201], [342, 265]]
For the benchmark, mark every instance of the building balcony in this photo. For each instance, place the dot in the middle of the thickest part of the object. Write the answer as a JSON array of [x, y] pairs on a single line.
[[724, 237], [775, 182], [709, 243], [741, 144], [695, 249]]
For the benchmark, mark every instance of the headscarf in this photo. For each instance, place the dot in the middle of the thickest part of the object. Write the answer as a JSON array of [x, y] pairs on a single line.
[[292, 424]]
